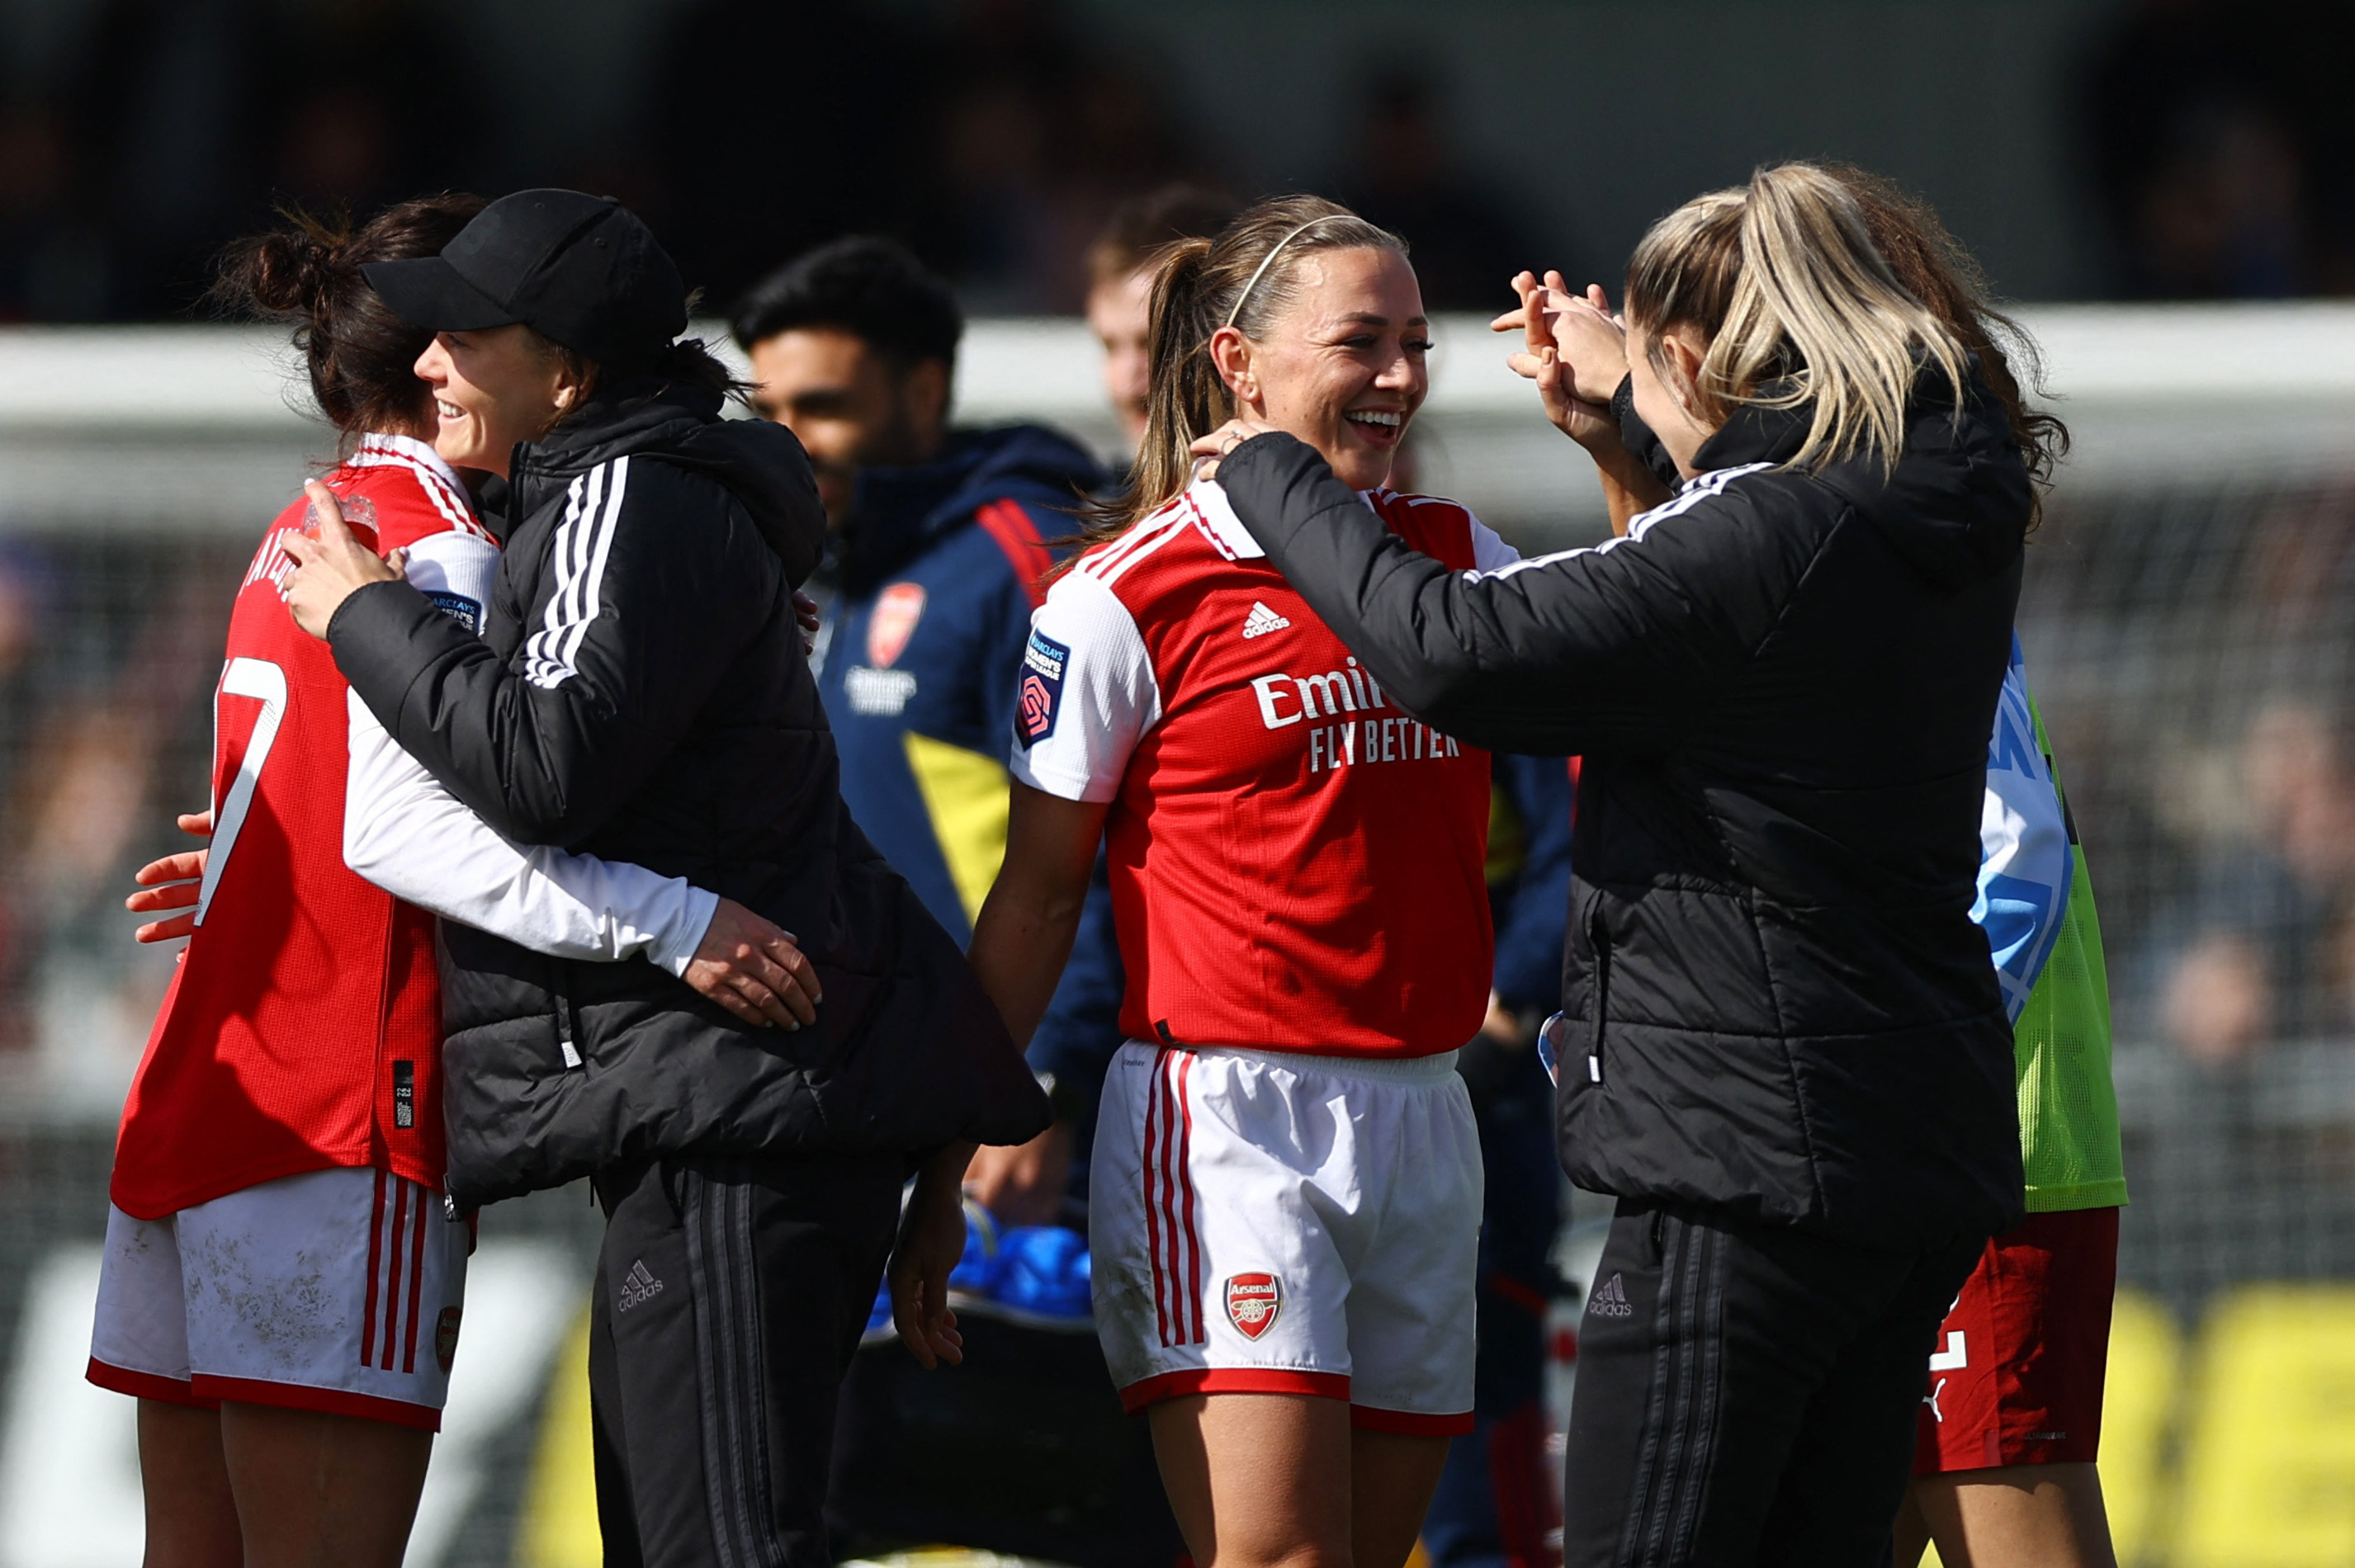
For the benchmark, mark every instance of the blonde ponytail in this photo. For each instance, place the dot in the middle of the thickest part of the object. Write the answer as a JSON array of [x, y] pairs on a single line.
[[1800, 308], [1245, 278]]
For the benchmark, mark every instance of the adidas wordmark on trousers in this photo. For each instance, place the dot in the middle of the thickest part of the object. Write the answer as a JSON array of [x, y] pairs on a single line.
[[1276, 1222]]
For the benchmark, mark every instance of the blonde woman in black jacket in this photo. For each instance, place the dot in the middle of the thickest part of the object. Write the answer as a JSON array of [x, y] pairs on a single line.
[[1782, 1046]]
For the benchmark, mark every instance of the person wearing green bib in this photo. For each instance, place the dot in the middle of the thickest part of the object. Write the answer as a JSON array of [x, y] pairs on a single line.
[[2011, 1423]]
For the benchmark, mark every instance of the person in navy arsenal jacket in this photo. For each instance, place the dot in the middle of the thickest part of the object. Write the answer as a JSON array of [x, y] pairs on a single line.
[[938, 541]]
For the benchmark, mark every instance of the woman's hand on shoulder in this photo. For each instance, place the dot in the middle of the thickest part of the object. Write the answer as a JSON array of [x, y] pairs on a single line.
[[1575, 351], [1211, 449], [328, 568]]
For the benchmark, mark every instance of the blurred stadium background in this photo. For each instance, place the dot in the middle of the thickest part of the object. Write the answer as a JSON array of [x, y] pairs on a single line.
[[2190, 616]]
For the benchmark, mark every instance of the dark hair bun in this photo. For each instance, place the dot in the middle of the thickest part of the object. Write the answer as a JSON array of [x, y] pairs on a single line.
[[290, 273], [307, 273], [287, 274]]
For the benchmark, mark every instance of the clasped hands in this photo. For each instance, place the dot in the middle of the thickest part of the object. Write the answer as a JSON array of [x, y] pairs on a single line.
[[1575, 349]]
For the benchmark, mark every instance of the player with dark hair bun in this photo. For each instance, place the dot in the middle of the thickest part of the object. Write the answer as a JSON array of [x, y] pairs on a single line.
[[358, 357], [286, 1118], [262, 1124], [281, 1285]]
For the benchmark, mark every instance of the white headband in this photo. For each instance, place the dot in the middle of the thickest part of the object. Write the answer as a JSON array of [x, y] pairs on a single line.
[[1241, 297]]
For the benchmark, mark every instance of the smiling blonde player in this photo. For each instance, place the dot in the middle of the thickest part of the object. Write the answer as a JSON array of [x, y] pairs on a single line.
[[1287, 1177]]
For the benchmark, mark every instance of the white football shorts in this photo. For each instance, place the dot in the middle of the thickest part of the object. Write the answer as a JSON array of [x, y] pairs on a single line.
[[335, 1290], [1264, 1222]]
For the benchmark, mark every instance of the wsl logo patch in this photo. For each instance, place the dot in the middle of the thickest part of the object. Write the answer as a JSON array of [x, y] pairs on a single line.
[[1043, 663], [1254, 1300], [458, 608]]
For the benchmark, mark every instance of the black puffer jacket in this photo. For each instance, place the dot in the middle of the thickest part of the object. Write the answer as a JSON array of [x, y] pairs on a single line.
[[639, 694], [1782, 683]]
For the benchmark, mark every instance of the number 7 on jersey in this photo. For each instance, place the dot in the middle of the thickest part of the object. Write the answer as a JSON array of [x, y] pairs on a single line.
[[265, 682]]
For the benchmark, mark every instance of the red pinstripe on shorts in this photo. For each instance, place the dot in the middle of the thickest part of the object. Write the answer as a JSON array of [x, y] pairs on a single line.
[[395, 1257], [1169, 1228]]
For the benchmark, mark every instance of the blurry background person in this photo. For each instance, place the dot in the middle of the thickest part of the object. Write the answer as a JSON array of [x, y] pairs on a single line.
[[1496, 1501], [2261, 947], [2010, 1423], [938, 541], [1120, 286], [1408, 176], [2215, 137]]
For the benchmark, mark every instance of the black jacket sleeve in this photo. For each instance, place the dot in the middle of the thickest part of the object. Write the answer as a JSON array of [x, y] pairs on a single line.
[[1621, 647], [650, 605], [1639, 438]]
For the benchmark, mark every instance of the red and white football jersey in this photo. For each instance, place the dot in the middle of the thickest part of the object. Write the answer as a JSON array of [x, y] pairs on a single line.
[[303, 1030], [1296, 866]]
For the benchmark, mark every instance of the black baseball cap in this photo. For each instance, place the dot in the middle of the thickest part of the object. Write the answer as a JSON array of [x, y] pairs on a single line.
[[580, 270]]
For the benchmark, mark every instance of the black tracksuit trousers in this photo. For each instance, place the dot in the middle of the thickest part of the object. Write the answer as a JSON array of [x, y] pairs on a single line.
[[1747, 1394], [730, 1296]]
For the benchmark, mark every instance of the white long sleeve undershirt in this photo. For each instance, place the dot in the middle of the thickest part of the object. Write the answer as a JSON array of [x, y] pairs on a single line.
[[409, 836]]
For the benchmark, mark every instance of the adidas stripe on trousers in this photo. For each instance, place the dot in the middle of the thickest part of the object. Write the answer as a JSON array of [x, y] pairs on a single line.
[[730, 1296], [1746, 1394]]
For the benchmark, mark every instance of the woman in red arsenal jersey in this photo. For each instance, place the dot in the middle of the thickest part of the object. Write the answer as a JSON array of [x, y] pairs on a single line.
[[1287, 1179], [255, 1124], [281, 1288]]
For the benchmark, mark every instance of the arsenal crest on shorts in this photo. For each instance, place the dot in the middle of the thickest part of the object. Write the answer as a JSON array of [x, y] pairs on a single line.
[[1252, 1302], [446, 1337]]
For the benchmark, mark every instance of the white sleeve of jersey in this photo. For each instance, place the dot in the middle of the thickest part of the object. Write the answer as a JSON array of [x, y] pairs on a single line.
[[408, 836], [1088, 692], [455, 571], [1489, 553]]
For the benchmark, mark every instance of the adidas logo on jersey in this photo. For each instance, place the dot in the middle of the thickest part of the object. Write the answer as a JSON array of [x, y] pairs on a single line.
[[638, 1287], [1262, 620], [1611, 1300]]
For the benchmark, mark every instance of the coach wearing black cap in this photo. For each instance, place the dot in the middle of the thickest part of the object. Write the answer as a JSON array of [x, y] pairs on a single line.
[[639, 694]]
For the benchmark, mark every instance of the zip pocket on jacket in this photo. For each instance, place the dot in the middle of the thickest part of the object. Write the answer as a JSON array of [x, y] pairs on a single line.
[[559, 991], [1599, 935]]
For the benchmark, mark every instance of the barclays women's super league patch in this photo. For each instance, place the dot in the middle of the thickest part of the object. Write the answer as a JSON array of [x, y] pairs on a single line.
[[1043, 663], [458, 608]]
